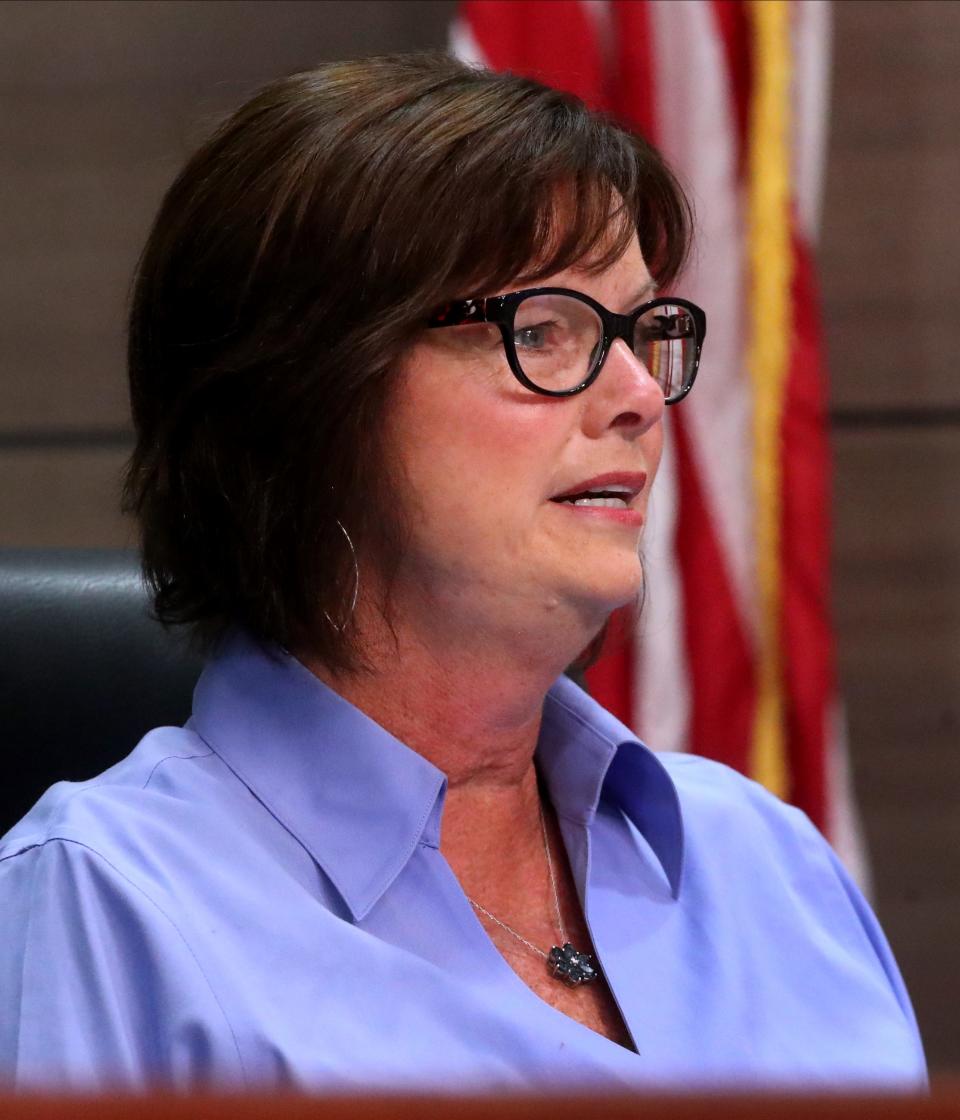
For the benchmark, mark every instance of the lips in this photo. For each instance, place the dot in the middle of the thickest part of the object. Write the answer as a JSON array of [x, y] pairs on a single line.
[[614, 490]]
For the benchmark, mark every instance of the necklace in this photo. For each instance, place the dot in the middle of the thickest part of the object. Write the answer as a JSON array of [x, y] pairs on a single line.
[[564, 963]]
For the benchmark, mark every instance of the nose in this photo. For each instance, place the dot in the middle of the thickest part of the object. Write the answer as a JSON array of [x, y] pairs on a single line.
[[624, 396]]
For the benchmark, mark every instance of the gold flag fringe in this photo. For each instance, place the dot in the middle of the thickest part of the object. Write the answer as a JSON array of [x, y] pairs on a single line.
[[770, 260]]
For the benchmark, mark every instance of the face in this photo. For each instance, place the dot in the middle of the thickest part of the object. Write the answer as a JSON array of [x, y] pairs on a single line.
[[485, 463]]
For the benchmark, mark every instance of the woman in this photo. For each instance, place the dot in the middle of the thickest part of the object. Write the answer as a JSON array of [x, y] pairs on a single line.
[[398, 372]]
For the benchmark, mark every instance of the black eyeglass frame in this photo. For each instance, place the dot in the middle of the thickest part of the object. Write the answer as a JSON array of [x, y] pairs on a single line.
[[501, 311]]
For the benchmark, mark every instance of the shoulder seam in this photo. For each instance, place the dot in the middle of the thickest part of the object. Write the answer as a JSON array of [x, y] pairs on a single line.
[[174, 757], [27, 846]]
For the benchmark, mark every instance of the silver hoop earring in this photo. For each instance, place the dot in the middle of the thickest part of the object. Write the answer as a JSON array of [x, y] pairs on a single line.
[[341, 626]]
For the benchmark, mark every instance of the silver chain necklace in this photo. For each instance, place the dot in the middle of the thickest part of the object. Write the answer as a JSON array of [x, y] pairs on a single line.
[[564, 962]]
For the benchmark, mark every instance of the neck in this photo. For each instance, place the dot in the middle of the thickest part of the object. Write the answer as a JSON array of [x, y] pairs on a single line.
[[473, 714], [469, 699]]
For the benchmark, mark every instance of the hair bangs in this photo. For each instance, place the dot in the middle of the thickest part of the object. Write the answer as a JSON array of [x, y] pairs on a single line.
[[555, 202]]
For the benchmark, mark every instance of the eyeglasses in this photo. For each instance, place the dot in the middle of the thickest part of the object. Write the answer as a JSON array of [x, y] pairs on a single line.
[[556, 339]]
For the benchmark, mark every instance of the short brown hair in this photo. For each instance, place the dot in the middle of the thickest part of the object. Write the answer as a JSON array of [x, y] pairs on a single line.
[[294, 259]]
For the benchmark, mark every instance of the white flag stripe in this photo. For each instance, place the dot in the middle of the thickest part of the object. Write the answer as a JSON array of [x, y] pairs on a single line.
[[697, 132], [464, 46], [661, 677], [811, 29], [843, 822]]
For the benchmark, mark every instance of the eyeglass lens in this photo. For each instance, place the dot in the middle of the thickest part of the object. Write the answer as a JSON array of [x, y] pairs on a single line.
[[557, 340]]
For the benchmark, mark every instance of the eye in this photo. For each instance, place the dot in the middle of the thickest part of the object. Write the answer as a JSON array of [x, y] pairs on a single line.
[[537, 336]]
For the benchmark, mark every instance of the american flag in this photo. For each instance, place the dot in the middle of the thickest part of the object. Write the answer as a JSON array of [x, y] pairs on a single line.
[[733, 654]]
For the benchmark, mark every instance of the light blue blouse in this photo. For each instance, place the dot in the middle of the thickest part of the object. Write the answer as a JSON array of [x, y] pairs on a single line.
[[259, 900]]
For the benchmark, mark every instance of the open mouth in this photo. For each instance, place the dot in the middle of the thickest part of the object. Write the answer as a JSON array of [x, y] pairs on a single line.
[[614, 497]]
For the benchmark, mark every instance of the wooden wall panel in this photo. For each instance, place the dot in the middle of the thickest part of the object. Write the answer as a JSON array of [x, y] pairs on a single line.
[[890, 240], [66, 499], [897, 603], [891, 287], [80, 177], [201, 44], [100, 103]]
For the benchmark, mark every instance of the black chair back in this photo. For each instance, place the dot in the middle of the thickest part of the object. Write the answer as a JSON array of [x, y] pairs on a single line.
[[84, 670]]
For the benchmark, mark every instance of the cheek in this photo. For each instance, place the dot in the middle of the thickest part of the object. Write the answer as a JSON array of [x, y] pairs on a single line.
[[465, 496], [471, 448], [478, 475]]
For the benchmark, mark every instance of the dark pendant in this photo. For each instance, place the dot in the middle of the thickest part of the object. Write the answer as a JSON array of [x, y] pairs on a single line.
[[571, 967]]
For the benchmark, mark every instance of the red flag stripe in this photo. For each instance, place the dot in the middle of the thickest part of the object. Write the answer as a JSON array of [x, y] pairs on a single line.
[[720, 659], [633, 90], [554, 41], [806, 552]]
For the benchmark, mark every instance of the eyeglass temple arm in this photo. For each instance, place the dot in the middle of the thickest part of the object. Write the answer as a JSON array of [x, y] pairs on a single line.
[[458, 312]]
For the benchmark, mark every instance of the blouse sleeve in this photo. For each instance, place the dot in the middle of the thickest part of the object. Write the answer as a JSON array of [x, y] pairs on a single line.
[[99, 988], [878, 941]]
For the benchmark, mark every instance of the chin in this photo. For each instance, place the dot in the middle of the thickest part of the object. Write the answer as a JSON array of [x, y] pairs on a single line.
[[603, 590]]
